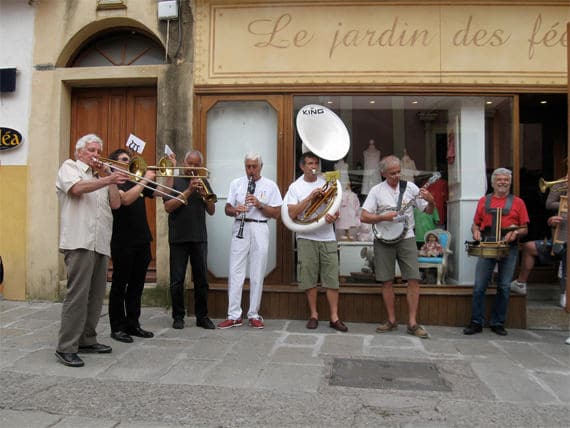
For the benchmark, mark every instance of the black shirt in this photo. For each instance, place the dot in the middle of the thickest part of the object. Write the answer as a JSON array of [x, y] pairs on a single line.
[[188, 222], [130, 226]]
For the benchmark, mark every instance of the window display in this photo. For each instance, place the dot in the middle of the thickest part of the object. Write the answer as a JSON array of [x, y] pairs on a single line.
[[384, 125]]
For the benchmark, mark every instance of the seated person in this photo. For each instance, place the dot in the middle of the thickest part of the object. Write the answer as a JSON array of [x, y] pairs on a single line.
[[432, 248], [542, 249]]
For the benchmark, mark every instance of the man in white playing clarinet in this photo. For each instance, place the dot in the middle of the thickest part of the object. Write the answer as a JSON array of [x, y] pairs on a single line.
[[252, 200]]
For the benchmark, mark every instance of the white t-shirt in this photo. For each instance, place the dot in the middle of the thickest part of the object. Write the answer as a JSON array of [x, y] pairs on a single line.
[[299, 190], [383, 197], [265, 190]]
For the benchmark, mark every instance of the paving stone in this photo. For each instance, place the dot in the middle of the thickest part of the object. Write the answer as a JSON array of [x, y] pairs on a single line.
[[20, 419]]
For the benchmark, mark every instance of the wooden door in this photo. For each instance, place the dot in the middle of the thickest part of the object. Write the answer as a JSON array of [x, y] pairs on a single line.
[[113, 114]]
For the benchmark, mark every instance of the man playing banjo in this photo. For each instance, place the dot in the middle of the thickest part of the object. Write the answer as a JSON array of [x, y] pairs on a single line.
[[389, 207]]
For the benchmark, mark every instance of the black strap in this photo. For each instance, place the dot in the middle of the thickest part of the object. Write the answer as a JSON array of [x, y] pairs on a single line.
[[506, 209], [403, 185], [489, 232]]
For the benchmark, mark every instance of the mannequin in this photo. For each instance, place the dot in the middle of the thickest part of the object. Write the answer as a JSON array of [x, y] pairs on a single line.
[[342, 166], [409, 169], [371, 171], [349, 213]]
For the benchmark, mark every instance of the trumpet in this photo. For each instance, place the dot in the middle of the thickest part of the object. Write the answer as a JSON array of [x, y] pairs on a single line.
[[207, 194], [136, 172], [205, 189], [556, 185]]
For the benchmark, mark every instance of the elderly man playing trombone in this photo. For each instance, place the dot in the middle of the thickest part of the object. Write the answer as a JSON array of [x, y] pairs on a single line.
[[188, 238], [85, 201]]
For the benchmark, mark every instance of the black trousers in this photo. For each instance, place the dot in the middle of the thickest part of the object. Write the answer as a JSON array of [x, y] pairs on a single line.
[[198, 254], [129, 272]]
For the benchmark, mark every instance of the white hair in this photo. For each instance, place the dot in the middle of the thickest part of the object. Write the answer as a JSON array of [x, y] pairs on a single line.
[[501, 171], [253, 156], [89, 138], [388, 162]]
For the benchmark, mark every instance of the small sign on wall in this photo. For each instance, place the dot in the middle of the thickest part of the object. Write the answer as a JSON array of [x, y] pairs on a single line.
[[9, 139]]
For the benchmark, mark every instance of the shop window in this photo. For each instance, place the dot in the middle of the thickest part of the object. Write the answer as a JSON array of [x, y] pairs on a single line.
[[461, 138], [235, 128], [120, 48]]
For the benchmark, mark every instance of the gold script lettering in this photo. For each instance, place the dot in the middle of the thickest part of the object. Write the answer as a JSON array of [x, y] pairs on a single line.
[[549, 39], [270, 29], [480, 37], [396, 35], [10, 139]]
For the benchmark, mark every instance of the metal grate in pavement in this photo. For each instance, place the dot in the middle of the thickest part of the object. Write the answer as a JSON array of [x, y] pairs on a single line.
[[375, 374]]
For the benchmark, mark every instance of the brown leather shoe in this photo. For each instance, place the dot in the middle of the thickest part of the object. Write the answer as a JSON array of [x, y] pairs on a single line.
[[338, 325], [418, 331], [312, 324], [386, 327]]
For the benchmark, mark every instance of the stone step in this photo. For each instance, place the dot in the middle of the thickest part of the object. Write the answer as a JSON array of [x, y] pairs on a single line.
[[546, 316]]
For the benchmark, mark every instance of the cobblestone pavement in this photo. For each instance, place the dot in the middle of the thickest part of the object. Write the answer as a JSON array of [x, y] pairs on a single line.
[[281, 376]]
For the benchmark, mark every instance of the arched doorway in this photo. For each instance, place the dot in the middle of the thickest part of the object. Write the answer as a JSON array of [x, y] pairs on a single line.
[[115, 112]]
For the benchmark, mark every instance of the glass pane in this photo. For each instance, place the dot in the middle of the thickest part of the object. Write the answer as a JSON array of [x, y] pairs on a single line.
[[121, 48], [235, 128], [459, 137]]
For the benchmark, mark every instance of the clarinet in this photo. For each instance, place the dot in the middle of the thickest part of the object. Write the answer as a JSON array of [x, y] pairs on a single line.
[[250, 191]]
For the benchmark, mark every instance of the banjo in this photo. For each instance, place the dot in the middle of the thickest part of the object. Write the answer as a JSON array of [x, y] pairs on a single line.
[[392, 232]]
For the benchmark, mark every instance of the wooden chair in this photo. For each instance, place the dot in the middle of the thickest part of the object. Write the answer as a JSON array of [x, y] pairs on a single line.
[[439, 263]]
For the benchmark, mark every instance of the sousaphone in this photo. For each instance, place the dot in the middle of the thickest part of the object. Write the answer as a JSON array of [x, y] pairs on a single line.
[[324, 134]]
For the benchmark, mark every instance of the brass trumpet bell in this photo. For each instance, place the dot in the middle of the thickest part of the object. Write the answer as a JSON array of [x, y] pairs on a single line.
[[556, 184], [208, 195]]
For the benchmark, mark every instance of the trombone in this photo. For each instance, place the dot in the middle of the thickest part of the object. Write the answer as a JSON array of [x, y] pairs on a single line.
[[557, 185], [136, 173], [166, 168]]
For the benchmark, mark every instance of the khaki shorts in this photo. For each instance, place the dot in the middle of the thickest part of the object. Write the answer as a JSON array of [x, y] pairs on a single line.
[[315, 254], [385, 256]]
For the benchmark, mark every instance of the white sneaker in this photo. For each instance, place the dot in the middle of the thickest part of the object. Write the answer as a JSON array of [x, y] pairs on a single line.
[[568, 341], [562, 302], [518, 287]]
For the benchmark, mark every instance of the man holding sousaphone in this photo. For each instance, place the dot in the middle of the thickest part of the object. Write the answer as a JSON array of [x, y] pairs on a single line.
[[316, 244], [501, 218], [389, 207]]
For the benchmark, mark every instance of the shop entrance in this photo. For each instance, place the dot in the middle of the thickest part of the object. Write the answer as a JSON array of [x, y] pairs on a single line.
[[113, 114]]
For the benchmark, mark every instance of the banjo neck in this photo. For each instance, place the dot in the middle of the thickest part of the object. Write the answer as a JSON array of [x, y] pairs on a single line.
[[435, 177]]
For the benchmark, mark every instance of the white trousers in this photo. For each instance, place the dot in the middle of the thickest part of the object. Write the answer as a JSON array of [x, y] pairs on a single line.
[[253, 246]]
